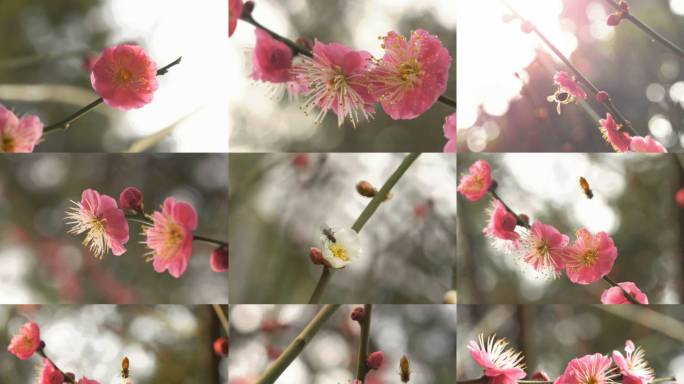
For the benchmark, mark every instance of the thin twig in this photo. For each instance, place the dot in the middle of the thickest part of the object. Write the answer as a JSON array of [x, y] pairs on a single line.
[[222, 317], [362, 367], [41, 352], [66, 122], [297, 345], [650, 31], [298, 49], [326, 273]]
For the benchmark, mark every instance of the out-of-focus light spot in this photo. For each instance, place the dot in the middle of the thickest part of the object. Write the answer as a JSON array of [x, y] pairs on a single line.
[[595, 214], [677, 6], [660, 126], [477, 139], [669, 69], [677, 92], [466, 117], [329, 350], [598, 28], [655, 92], [492, 130], [246, 318]]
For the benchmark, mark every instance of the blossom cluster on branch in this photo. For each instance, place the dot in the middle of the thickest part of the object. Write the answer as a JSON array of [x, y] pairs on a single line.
[[406, 81], [504, 365], [169, 232], [545, 249]]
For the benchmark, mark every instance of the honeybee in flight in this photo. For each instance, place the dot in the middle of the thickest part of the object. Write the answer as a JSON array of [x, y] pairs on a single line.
[[584, 184], [124, 368], [404, 369]]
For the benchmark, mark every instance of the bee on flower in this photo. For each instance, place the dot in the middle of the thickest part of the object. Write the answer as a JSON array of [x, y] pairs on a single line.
[[340, 247], [567, 92]]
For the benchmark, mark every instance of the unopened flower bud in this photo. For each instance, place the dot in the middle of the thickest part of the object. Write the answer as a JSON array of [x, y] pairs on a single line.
[[450, 297], [493, 185], [526, 27], [374, 360], [304, 42], [219, 259], [366, 189], [679, 197], [69, 377], [301, 161], [131, 199], [602, 96], [358, 314], [614, 19], [221, 346], [248, 8], [316, 257]]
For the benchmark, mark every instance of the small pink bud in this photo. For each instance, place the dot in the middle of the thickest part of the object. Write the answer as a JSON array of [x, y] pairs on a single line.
[[602, 96], [304, 42], [248, 8], [365, 189], [374, 360], [493, 185], [221, 346], [301, 161], [219, 259], [614, 19], [358, 314], [540, 376], [524, 218], [526, 27], [679, 197], [131, 199], [316, 257]]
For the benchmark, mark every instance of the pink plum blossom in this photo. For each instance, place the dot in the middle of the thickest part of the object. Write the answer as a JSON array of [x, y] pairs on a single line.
[[271, 60], [590, 258], [336, 79], [501, 365], [568, 90], [49, 374], [613, 134], [411, 75], [501, 223], [475, 184], [449, 128], [588, 369], [27, 342], [103, 222], [234, 13], [170, 237], [18, 134], [615, 295], [125, 76], [646, 144], [633, 367], [544, 248]]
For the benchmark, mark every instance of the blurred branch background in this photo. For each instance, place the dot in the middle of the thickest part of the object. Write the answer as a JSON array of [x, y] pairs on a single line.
[[44, 264], [262, 124], [425, 333], [502, 102], [165, 343], [633, 202], [551, 335], [280, 203], [42, 71]]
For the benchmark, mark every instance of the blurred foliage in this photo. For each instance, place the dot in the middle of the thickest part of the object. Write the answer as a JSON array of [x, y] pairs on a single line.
[[43, 264], [165, 343], [648, 236], [624, 66], [424, 333], [280, 203], [327, 22], [551, 335]]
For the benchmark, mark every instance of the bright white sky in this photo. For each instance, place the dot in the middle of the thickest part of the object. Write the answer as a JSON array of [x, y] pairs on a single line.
[[197, 87]]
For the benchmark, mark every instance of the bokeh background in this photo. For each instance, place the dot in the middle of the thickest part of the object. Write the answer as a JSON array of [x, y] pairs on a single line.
[[41, 72], [280, 203], [164, 343], [504, 112], [424, 333], [42, 263], [634, 202], [551, 335], [261, 123]]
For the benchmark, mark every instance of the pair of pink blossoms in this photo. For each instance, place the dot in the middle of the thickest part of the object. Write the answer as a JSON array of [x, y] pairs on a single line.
[[169, 236], [124, 76], [543, 247], [569, 91], [407, 80], [26, 343], [504, 365]]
